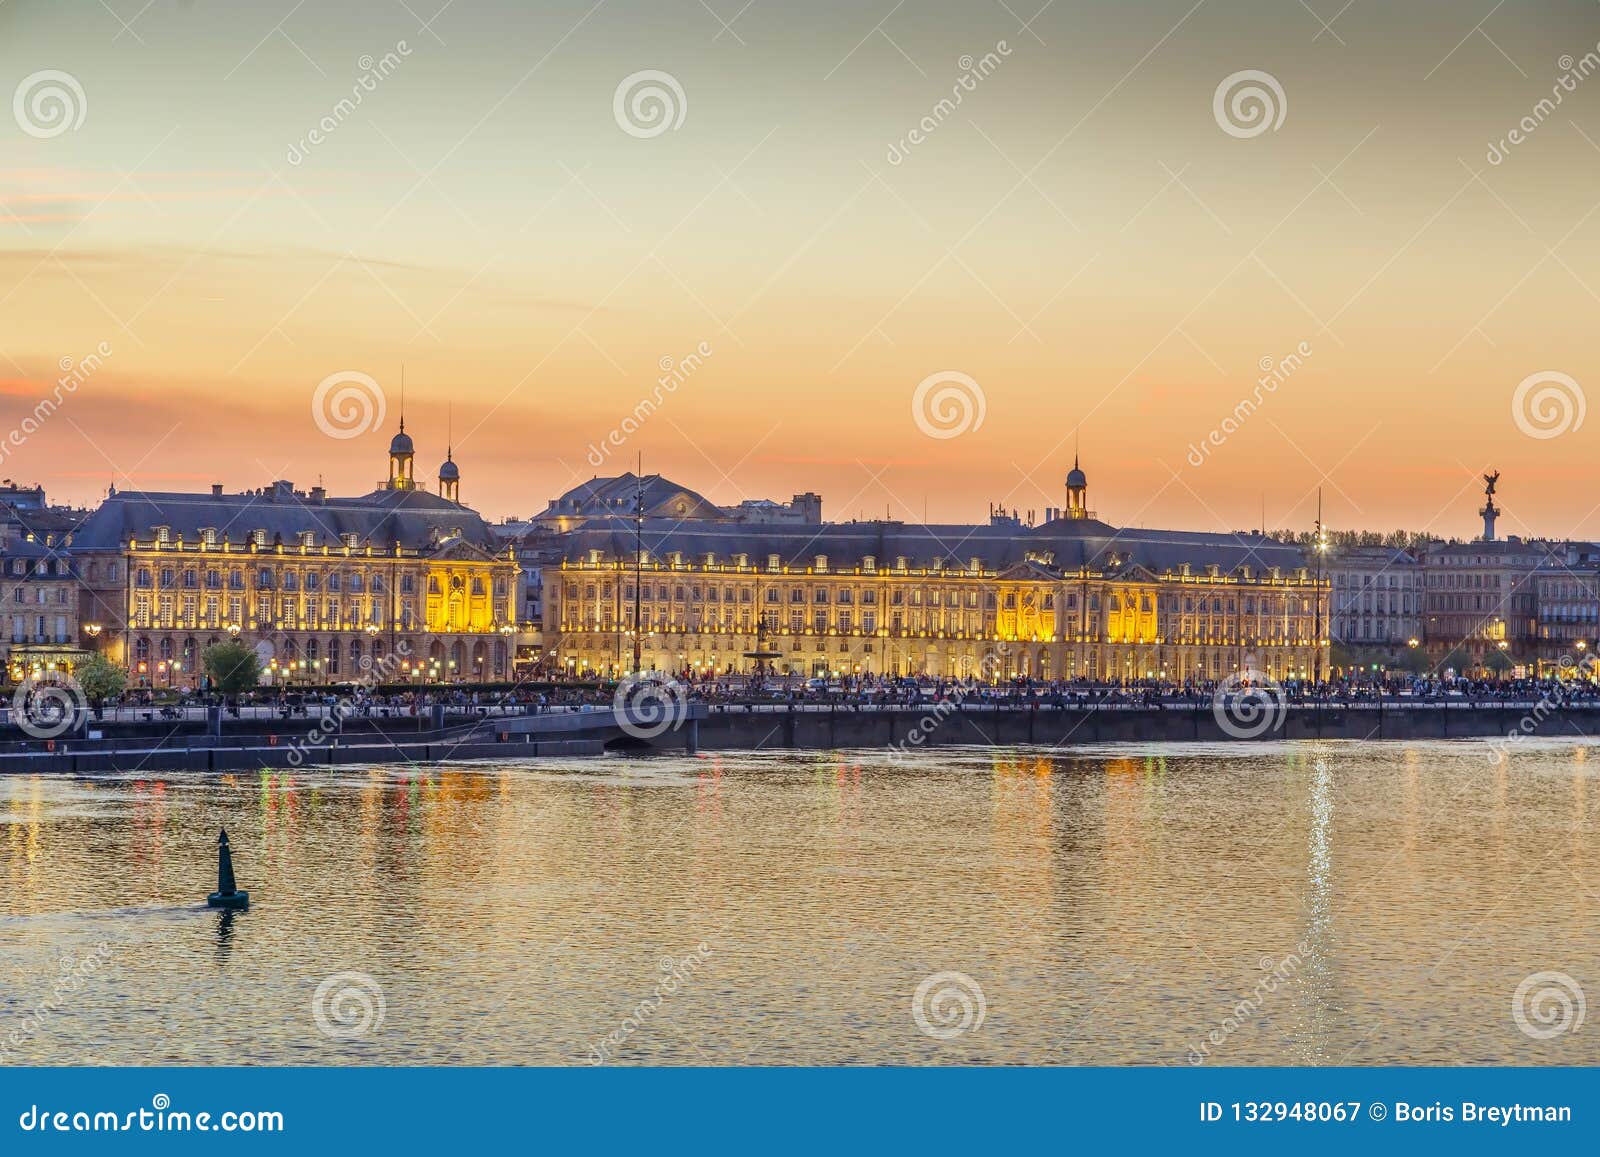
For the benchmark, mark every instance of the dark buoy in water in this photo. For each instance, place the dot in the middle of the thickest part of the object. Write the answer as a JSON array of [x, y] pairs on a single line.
[[227, 894]]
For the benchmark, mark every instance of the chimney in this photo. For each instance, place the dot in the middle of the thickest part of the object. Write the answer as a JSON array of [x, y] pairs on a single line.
[[319, 494], [216, 490]]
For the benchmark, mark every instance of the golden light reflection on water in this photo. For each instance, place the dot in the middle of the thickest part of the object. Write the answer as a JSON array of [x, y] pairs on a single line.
[[1114, 905]]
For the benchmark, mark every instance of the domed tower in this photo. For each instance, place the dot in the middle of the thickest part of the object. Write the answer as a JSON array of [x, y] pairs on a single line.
[[449, 478], [401, 453], [1077, 491]]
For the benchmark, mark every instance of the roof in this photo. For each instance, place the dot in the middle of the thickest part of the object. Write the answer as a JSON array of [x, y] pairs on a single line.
[[1061, 545], [620, 494], [415, 519]]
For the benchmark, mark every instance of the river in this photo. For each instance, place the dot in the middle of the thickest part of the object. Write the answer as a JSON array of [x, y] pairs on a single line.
[[1273, 903]]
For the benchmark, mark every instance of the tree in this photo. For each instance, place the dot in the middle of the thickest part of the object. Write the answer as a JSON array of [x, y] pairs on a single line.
[[232, 668], [1343, 657], [1413, 659], [1497, 661], [101, 679]]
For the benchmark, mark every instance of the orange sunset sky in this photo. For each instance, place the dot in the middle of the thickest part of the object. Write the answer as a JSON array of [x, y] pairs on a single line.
[[1080, 236]]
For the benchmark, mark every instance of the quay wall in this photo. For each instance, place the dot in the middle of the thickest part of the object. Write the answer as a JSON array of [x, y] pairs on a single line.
[[736, 728]]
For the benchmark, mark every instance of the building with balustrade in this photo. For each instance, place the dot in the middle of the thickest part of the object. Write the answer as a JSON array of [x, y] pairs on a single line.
[[395, 585], [1069, 598]]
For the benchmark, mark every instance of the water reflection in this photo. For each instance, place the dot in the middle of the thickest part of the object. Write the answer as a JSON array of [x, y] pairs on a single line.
[[1116, 905]]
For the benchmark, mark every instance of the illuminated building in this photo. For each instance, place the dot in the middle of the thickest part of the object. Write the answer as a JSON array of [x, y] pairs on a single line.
[[38, 606], [663, 498], [1376, 599], [1066, 599], [396, 585]]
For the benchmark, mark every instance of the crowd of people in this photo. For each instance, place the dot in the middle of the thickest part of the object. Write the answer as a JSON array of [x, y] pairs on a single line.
[[853, 691]]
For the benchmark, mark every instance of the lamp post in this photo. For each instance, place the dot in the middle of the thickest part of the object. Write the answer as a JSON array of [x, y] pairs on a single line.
[[1321, 543]]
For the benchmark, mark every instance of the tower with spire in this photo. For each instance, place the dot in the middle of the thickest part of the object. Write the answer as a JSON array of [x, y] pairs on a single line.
[[401, 454], [449, 472], [1077, 491]]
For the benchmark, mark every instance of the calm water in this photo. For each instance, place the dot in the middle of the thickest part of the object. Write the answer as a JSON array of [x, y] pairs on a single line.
[[1309, 903]]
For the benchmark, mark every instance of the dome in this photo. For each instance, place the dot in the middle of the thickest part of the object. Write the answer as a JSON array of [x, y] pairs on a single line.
[[401, 443], [1076, 479], [449, 471]]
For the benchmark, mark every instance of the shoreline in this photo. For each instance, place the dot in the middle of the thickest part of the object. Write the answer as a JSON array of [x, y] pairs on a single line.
[[900, 731]]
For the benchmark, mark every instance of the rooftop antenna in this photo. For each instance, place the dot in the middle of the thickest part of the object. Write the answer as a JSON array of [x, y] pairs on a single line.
[[402, 397]]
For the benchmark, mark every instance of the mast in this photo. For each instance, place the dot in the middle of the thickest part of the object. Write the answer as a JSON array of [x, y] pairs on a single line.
[[1319, 545], [638, 562]]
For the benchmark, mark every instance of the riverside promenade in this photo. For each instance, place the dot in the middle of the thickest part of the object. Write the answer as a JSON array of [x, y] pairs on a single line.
[[202, 744]]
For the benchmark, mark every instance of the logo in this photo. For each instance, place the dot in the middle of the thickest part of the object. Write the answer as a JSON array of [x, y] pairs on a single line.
[[49, 103], [948, 1004], [1249, 102], [348, 1005], [648, 707], [1547, 405], [48, 706], [1248, 705], [948, 404], [648, 103], [1547, 1004], [347, 404]]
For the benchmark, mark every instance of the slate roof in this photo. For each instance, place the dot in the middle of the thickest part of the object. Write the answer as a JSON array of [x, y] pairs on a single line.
[[662, 497], [1069, 543], [416, 519]]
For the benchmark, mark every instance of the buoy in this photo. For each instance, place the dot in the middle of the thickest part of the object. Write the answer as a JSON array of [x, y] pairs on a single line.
[[228, 894]]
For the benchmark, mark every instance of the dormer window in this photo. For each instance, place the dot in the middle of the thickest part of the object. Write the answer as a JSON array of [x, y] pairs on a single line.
[[870, 564], [163, 535], [822, 564], [772, 562], [351, 540], [258, 538], [308, 539]]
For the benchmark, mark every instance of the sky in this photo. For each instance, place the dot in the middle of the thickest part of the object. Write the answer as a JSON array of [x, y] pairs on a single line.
[[914, 305]]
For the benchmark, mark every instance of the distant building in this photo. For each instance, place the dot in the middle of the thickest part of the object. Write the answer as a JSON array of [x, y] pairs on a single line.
[[1567, 625], [659, 497], [39, 608], [1483, 596], [394, 585], [1376, 599], [1072, 598]]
